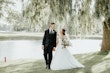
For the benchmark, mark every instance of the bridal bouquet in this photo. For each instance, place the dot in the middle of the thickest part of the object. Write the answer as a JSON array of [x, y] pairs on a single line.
[[65, 43]]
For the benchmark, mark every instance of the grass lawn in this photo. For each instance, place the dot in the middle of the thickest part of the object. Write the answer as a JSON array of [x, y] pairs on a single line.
[[94, 63]]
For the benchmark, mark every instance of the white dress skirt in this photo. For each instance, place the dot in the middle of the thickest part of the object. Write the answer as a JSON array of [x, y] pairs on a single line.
[[64, 60]]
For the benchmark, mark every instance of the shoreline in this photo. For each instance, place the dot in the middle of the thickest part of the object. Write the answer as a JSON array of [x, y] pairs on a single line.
[[38, 36]]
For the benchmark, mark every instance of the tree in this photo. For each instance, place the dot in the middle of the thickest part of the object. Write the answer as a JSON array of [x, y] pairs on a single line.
[[103, 9], [106, 35]]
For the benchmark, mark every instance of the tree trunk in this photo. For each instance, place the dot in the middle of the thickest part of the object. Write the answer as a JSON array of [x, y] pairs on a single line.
[[106, 37]]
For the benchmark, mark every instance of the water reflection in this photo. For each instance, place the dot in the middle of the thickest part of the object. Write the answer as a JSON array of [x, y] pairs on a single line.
[[17, 49], [22, 49]]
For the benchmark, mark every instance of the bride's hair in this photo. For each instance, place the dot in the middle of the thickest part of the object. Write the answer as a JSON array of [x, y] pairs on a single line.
[[63, 31]]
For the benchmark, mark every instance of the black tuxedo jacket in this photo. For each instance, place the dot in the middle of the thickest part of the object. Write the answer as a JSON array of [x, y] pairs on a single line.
[[49, 39]]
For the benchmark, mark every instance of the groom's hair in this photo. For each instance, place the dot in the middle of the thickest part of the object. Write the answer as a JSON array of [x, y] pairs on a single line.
[[52, 23]]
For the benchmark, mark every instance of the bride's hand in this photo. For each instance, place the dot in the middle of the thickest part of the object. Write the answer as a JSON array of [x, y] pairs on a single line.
[[42, 47]]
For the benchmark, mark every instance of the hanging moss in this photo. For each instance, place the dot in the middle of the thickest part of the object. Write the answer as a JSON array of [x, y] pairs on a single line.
[[82, 12], [102, 6], [76, 17]]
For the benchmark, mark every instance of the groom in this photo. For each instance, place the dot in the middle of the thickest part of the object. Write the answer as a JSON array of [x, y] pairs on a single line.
[[49, 44]]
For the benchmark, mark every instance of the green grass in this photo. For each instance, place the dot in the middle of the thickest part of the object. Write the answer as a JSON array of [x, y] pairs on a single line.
[[93, 62], [103, 52]]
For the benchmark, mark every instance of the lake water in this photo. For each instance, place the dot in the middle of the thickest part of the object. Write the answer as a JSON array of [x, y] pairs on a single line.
[[31, 49]]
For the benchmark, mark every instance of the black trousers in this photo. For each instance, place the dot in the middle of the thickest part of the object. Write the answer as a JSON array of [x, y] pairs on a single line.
[[48, 55]]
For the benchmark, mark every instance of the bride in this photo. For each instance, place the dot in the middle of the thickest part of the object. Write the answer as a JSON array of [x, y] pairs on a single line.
[[62, 58]]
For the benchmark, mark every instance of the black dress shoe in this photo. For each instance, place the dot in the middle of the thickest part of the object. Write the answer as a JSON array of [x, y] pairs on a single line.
[[49, 67]]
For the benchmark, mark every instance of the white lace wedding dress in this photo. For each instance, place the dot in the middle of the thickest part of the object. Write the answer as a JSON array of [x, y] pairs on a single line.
[[63, 58]]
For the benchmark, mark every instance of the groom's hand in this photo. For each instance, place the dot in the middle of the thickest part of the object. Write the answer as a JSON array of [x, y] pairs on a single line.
[[53, 48]]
